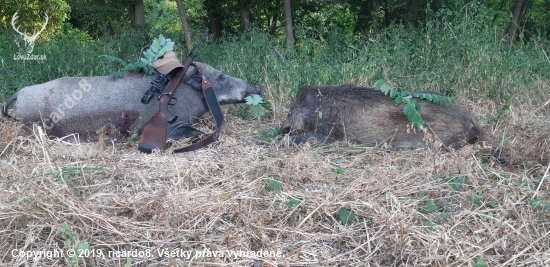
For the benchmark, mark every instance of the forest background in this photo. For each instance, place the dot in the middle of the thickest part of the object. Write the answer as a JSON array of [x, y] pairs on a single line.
[[492, 46]]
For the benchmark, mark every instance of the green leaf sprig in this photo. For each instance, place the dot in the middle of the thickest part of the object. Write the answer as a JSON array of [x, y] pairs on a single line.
[[412, 108], [157, 49], [257, 105]]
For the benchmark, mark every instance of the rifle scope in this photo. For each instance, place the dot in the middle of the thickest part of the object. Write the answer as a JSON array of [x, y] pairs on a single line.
[[157, 86]]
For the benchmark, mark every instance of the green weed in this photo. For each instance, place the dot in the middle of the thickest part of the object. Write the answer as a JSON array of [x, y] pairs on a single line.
[[473, 201], [274, 186], [479, 263], [457, 182], [429, 225], [429, 206], [291, 204], [73, 244], [68, 176], [269, 135], [540, 205], [347, 216], [338, 170]]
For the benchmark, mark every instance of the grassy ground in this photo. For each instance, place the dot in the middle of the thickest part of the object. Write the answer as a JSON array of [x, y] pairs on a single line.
[[411, 207], [338, 205]]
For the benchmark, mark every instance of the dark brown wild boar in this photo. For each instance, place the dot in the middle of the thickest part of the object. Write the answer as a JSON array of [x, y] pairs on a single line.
[[367, 116]]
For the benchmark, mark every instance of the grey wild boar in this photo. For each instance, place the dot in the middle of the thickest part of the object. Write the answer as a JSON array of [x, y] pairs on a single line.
[[367, 116], [83, 105]]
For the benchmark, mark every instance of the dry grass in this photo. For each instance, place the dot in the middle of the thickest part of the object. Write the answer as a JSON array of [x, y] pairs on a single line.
[[117, 199]]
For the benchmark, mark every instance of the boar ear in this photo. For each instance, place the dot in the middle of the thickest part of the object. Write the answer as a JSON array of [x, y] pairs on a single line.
[[193, 79], [305, 96], [310, 98], [191, 71]]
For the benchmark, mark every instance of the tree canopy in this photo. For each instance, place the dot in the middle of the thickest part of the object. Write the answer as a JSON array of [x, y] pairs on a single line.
[[314, 18]]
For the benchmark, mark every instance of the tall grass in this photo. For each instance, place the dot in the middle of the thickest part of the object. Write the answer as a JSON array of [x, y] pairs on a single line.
[[71, 54], [461, 57]]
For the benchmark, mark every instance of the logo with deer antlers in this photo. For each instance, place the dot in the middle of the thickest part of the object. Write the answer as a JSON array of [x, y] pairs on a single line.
[[29, 39]]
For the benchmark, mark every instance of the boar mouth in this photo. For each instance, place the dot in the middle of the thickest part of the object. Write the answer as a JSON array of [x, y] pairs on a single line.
[[285, 130], [261, 90], [256, 90]]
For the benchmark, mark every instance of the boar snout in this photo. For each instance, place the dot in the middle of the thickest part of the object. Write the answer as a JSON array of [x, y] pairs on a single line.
[[285, 130], [259, 89]]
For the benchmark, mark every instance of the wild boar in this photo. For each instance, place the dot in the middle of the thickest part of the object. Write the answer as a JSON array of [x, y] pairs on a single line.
[[368, 116], [83, 105]]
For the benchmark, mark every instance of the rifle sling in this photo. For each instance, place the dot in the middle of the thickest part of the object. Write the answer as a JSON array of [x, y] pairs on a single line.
[[215, 109]]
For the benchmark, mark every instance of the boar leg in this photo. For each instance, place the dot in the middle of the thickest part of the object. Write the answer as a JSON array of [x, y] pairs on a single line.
[[176, 133]]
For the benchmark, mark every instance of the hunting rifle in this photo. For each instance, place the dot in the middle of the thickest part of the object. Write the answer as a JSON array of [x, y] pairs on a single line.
[[154, 133], [215, 109]]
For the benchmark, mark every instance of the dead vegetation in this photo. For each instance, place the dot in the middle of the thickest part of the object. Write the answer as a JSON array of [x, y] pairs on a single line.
[[289, 204]]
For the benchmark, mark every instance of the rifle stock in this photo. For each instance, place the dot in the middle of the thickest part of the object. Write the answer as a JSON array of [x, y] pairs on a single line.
[[154, 133]]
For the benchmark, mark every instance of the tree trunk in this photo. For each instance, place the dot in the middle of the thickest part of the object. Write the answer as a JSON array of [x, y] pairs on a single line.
[[215, 24], [288, 26], [364, 17], [245, 14], [214, 18], [183, 17], [273, 26], [386, 8], [137, 13], [517, 11], [412, 13]]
